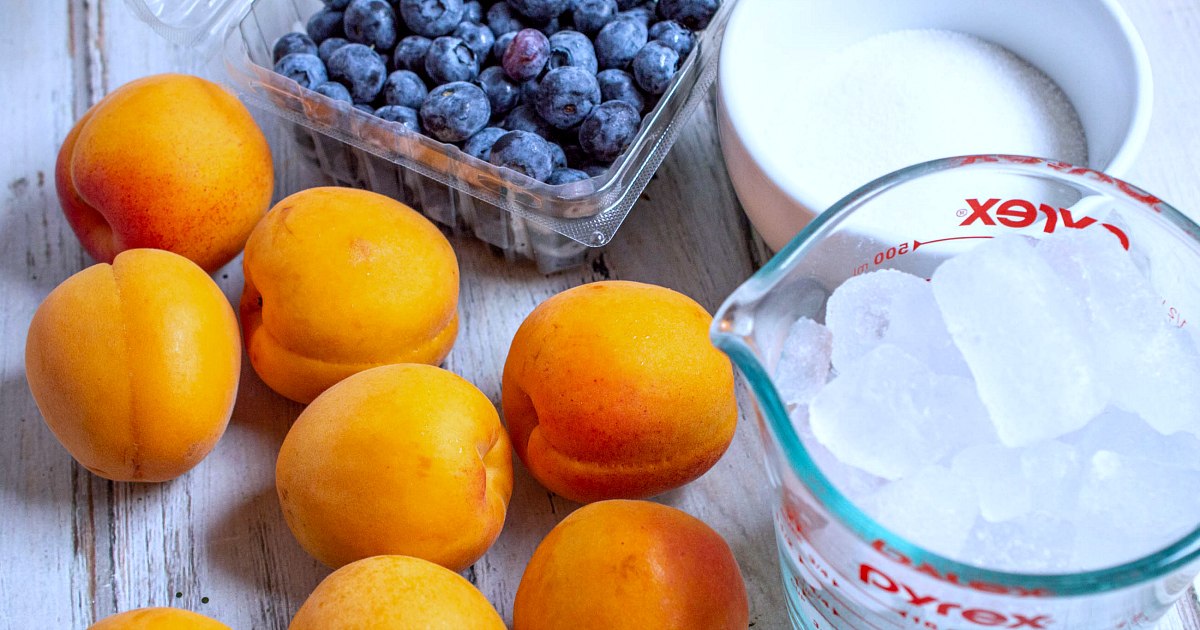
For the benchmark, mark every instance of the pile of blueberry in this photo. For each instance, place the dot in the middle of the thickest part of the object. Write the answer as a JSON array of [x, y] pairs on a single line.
[[554, 89]]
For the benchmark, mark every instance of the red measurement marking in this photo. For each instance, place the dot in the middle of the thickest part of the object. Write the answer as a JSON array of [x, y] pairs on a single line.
[[917, 244]]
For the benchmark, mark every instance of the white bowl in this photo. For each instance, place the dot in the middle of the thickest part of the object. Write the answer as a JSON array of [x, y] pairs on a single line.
[[1088, 47]]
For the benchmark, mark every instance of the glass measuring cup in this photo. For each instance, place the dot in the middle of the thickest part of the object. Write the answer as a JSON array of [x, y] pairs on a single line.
[[842, 570]]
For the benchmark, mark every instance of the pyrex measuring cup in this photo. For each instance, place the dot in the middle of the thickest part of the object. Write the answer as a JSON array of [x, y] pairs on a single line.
[[842, 570]]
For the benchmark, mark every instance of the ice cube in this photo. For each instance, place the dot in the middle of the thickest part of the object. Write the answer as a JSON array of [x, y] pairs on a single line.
[[1034, 543], [804, 363], [1152, 366], [890, 306], [1139, 498], [957, 414], [853, 482], [994, 471], [1099, 545], [1127, 434], [890, 415], [933, 508], [1024, 338], [1160, 380], [1098, 271], [1052, 470]]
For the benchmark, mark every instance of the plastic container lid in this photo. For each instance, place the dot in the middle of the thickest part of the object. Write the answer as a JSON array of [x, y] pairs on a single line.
[[198, 24]]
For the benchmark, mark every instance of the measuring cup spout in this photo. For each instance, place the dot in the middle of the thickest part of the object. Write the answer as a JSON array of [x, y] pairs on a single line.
[[732, 332]]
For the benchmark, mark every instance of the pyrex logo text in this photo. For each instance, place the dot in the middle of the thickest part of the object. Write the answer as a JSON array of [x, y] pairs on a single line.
[[872, 576], [1019, 213]]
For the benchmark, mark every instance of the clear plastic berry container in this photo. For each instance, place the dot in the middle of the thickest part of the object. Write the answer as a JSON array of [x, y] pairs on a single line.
[[555, 226]]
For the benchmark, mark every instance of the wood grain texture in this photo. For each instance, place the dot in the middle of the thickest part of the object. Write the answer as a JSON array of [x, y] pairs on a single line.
[[1169, 164], [75, 548]]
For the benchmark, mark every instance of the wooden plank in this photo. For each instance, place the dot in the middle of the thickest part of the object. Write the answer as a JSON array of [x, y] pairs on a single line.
[[77, 548], [1184, 616], [39, 482], [1170, 161], [216, 537]]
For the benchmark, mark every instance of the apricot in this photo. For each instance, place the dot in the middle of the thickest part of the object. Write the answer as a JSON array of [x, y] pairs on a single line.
[[168, 162], [158, 619], [395, 593], [631, 565], [135, 365], [613, 390], [400, 459], [340, 280]]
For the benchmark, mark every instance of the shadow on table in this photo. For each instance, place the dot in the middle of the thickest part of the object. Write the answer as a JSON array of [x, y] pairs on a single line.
[[252, 545], [38, 247], [36, 472]]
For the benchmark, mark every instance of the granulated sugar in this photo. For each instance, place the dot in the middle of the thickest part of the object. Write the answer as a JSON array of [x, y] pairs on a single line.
[[910, 96]]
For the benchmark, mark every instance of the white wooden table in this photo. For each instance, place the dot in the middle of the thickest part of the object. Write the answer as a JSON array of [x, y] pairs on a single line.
[[75, 548]]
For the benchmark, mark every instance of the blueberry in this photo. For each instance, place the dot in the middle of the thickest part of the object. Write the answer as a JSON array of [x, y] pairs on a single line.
[[526, 118], [539, 11], [564, 137], [501, 45], [642, 14], [595, 169], [406, 116], [404, 87], [450, 59], [527, 55], [550, 28], [529, 92], [619, 42], [325, 24], [303, 68], [473, 12], [655, 66], [609, 130], [336, 5], [503, 95], [576, 156], [480, 144], [410, 53], [591, 15], [567, 95], [626, 5], [694, 14], [335, 91], [360, 69], [501, 19], [618, 85], [371, 22], [455, 111], [558, 158], [566, 176], [293, 43], [478, 37], [363, 107], [327, 47], [524, 152], [675, 36], [572, 48], [431, 18]]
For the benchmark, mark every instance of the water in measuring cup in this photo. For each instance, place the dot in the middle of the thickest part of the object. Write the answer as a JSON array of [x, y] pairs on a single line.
[[1030, 408]]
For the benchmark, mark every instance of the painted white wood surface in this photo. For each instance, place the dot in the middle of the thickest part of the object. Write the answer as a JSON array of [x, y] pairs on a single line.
[[75, 548]]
